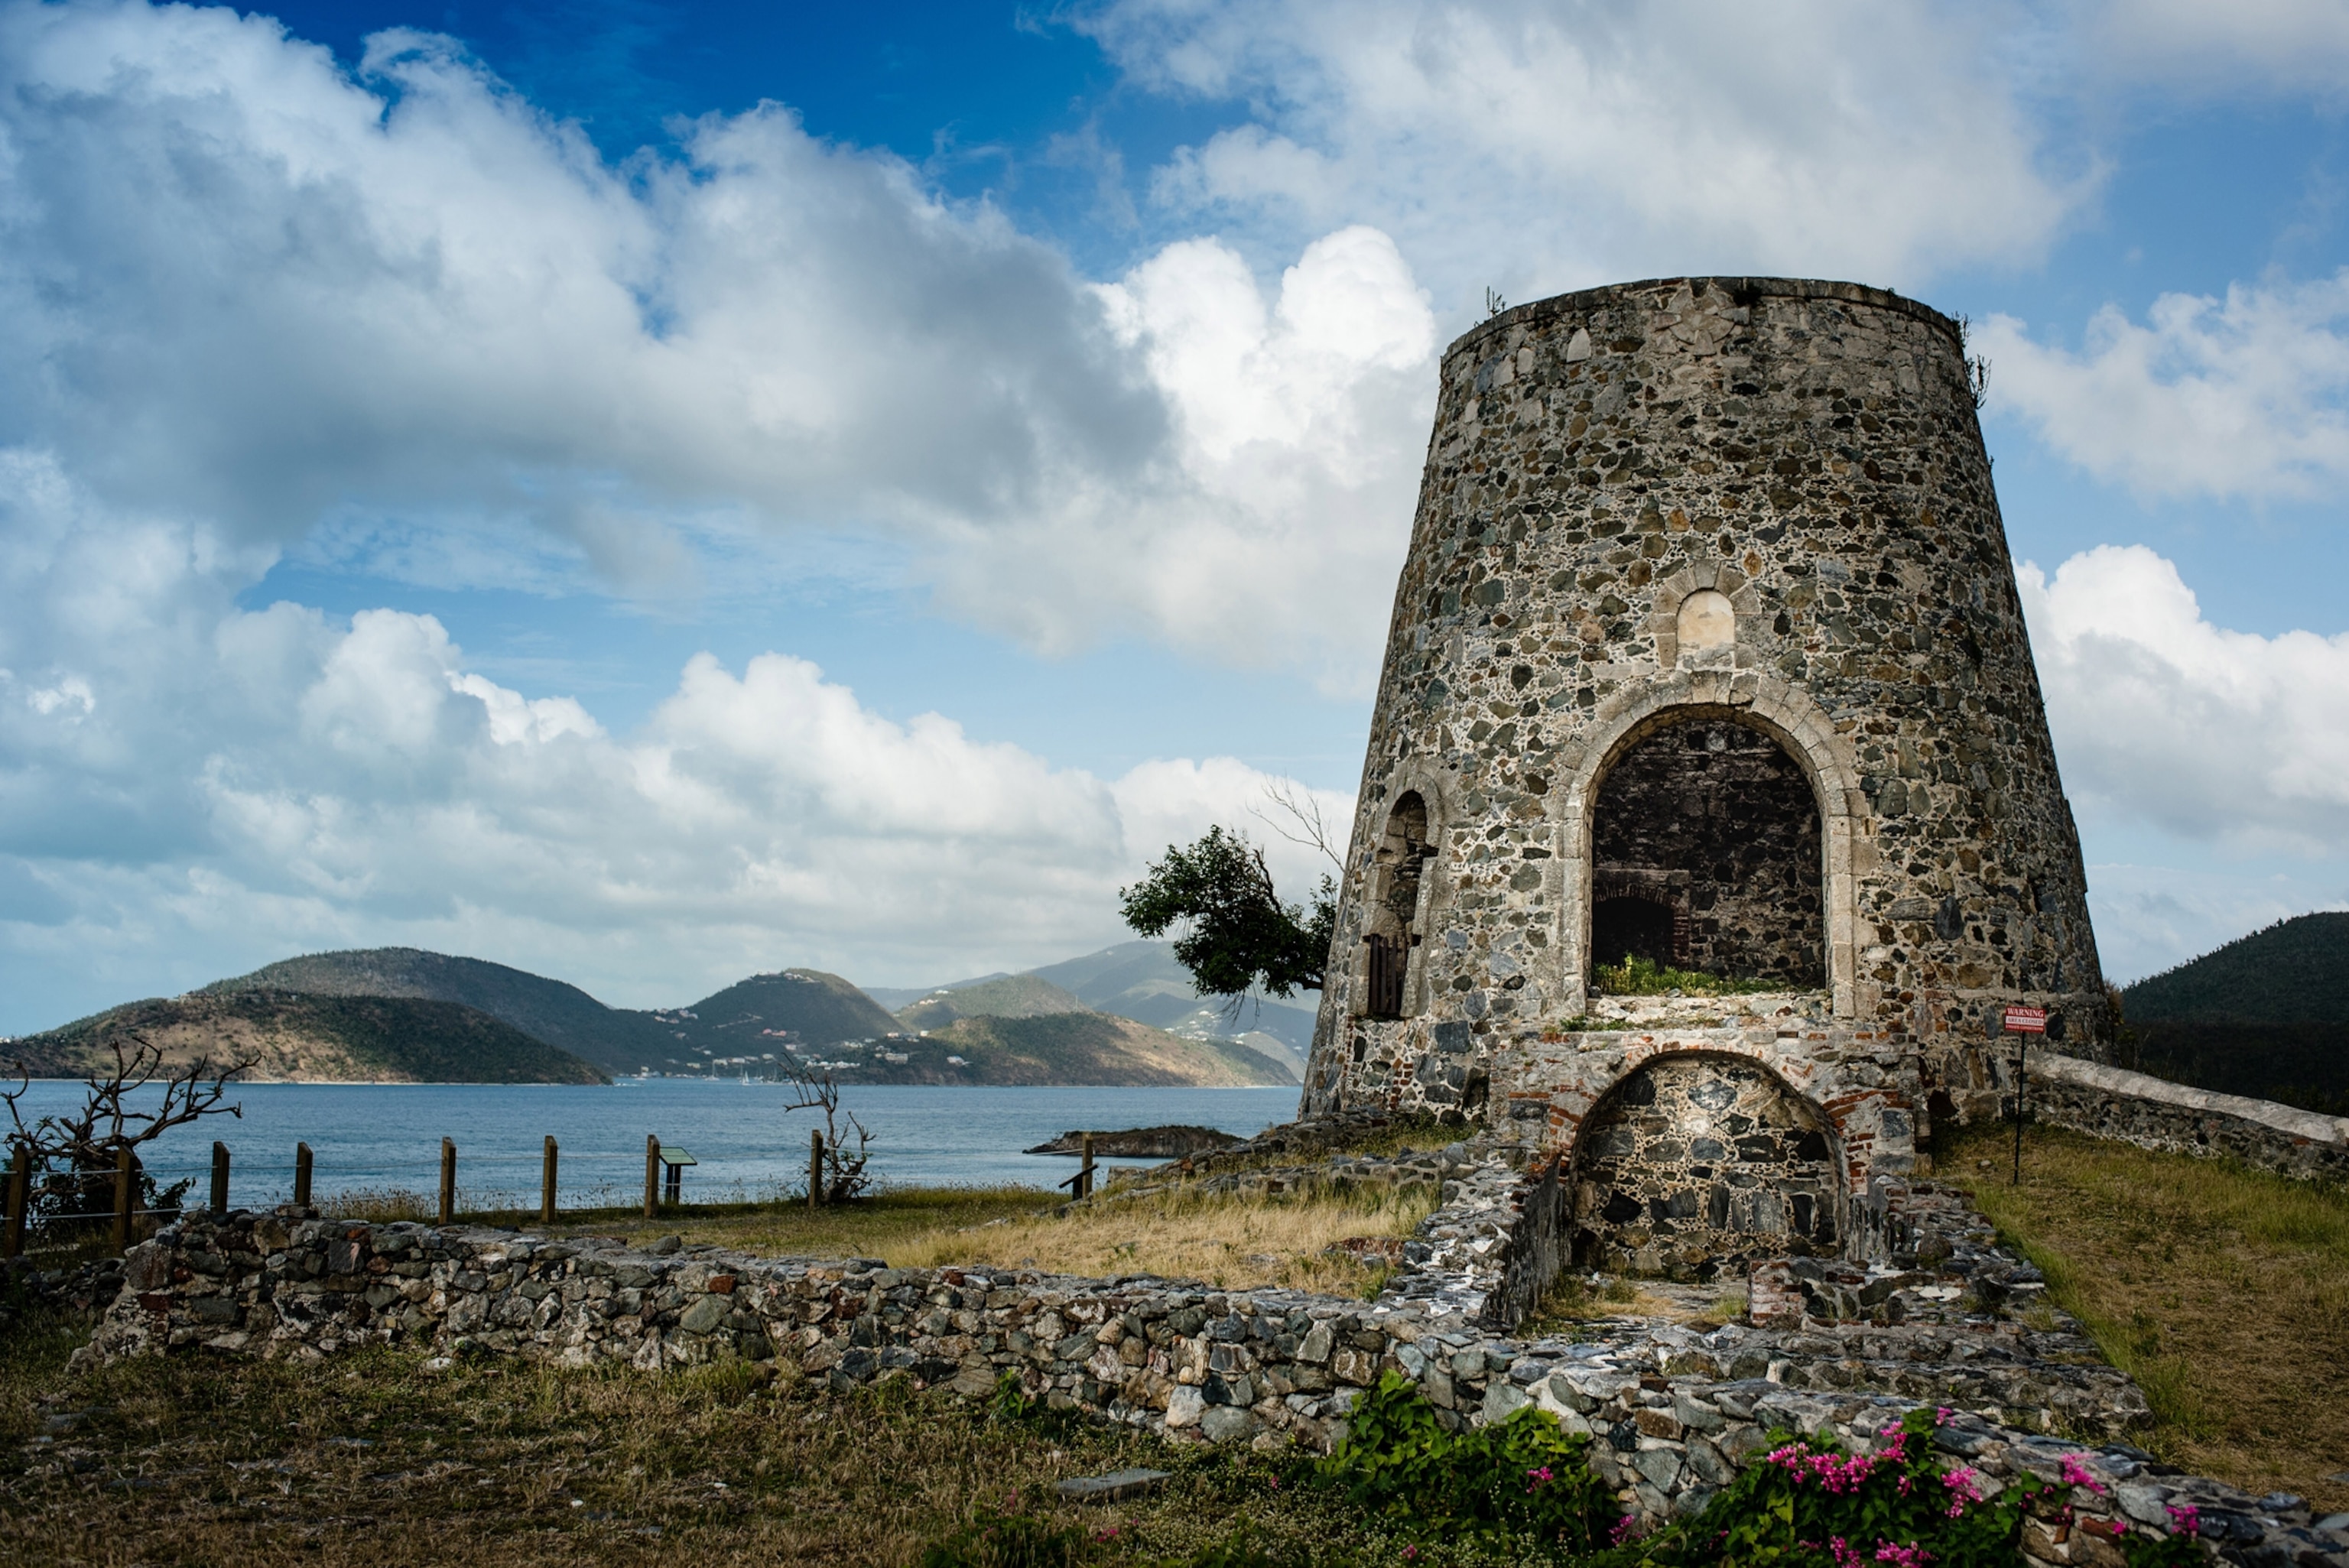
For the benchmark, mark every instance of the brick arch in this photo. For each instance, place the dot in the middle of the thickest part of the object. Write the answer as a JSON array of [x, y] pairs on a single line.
[[1744, 697], [1698, 1154]]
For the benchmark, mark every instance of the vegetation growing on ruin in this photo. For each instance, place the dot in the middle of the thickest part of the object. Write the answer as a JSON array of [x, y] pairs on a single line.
[[2224, 1291], [1638, 976]]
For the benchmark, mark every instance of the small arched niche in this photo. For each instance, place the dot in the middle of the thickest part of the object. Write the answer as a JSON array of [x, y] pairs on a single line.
[[1698, 1162], [1706, 854], [1393, 934], [1705, 629]]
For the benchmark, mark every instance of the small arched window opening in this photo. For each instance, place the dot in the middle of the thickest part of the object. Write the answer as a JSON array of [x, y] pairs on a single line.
[[1706, 855], [1404, 851]]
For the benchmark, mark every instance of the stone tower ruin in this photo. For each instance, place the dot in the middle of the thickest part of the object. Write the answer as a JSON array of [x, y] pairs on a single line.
[[1708, 652]]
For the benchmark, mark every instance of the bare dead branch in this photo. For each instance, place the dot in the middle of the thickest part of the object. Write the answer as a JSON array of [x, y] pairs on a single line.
[[1307, 827], [843, 1175]]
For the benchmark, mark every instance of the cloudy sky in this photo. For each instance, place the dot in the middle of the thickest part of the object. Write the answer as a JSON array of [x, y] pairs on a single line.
[[652, 491]]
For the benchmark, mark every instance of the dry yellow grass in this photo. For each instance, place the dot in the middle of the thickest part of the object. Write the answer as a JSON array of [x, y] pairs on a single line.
[[1236, 1242], [2224, 1292], [1232, 1241]]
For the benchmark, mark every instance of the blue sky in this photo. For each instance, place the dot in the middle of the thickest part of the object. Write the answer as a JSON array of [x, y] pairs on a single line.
[[650, 492]]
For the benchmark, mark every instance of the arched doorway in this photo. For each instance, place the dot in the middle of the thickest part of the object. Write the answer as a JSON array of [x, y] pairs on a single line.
[[1706, 855], [1698, 1161]]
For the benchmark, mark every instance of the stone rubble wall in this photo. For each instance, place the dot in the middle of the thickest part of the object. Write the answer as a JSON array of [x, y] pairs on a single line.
[[2154, 1113], [1673, 1412]]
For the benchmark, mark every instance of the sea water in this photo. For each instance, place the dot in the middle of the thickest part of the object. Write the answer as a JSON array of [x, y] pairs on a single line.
[[746, 1141]]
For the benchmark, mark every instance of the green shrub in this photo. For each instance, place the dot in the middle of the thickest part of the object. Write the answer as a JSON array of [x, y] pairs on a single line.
[[1637, 977], [1524, 1476]]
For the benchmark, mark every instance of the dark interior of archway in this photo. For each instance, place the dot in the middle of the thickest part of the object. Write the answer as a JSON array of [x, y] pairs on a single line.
[[1719, 820], [1624, 928]]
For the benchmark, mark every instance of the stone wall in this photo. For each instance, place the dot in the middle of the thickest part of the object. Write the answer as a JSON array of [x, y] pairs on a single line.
[[2154, 1113], [1674, 1410], [1699, 1159]]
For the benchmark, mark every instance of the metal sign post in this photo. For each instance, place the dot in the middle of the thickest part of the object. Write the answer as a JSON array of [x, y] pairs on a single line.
[[2022, 1023]]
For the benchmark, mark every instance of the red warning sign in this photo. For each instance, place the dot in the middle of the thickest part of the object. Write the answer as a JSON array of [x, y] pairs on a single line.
[[2026, 1020]]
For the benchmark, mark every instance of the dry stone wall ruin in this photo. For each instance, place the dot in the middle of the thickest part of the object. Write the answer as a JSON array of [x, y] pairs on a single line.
[[1707, 649]]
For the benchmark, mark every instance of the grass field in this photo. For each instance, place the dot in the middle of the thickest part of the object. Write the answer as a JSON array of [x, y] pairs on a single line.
[[370, 1460], [2223, 1291]]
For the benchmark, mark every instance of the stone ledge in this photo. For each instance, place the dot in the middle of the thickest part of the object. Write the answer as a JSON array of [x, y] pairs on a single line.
[[2053, 1067]]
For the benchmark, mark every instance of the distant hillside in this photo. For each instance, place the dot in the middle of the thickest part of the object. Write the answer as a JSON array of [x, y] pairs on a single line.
[[1136, 980], [1012, 996], [898, 998], [1142, 981], [752, 1016], [1060, 1048], [2266, 1015], [355, 1039], [561, 1015], [2294, 972]]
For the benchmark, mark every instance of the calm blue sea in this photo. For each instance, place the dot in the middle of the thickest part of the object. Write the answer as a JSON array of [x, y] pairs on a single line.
[[368, 1135]]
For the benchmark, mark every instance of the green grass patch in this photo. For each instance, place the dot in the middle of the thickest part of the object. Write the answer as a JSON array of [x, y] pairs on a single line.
[[2223, 1291]]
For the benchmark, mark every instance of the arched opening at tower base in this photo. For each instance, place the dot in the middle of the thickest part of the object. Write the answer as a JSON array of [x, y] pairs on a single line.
[[1706, 855], [1700, 1161]]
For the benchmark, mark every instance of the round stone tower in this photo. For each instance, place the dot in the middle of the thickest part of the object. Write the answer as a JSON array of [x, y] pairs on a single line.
[[1707, 654]]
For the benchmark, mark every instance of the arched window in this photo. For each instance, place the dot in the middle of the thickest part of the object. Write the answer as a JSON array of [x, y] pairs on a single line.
[[1393, 934], [1705, 855]]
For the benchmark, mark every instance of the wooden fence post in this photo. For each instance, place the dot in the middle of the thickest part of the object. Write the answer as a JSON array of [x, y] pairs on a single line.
[[447, 1180], [20, 1198], [219, 1180], [652, 1174], [301, 1175], [546, 1186], [815, 1168], [123, 1183], [1085, 1172]]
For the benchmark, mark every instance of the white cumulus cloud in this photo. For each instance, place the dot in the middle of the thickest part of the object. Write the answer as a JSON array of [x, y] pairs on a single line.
[[238, 784], [2161, 718], [2244, 397], [400, 316], [1549, 144]]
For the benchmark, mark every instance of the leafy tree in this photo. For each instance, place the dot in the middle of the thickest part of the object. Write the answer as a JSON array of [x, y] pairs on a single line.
[[1238, 934]]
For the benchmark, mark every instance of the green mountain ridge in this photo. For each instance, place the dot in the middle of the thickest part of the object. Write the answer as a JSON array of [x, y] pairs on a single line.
[[293, 1037], [1138, 980], [1007, 996], [2266, 1015], [1089, 1048], [2293, 972], [752, 1016], [560, 1014]]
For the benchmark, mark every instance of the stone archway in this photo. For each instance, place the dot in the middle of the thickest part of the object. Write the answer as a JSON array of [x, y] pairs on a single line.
[[1706, 856], [1754, 701], [1696, 1160]]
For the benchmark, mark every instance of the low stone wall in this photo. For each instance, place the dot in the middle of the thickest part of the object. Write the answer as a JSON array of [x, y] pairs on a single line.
[[1674, 1410], [2154, 1113]]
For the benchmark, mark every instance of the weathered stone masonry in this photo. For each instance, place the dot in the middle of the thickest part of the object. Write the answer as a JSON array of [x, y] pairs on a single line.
[[1681, 544], [1673, 1412]]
